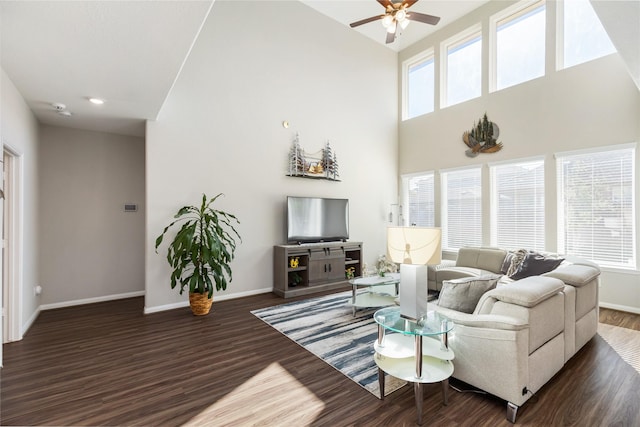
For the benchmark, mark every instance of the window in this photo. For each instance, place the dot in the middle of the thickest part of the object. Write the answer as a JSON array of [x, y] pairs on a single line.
[[419, 85], [461, 208], [419, 197], [519, 52], [517, 205], [582, 35], [462, 67], [596, 205]]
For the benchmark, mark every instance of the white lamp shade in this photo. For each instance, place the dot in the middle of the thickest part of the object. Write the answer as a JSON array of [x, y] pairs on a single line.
[[414, 245]]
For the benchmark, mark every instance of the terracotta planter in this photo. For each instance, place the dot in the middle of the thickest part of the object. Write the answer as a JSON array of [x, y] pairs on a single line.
[[200, 303]]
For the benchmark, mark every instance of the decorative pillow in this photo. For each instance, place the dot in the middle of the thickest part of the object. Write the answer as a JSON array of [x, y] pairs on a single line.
[[463, 294], [507, 262], [535, 264], [516, 260]]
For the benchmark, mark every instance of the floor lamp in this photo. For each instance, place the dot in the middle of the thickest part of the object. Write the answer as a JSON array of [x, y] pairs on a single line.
[[414, 248]]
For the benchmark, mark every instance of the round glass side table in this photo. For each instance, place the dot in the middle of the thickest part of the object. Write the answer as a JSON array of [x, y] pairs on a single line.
[[402, 352]]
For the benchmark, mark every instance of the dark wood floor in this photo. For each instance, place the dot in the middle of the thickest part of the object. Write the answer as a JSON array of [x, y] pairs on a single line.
[[108, 364]]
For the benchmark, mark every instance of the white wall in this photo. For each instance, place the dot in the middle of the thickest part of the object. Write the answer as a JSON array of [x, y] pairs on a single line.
[[20, 133], [590, 105], [90, 248], [254, 65]]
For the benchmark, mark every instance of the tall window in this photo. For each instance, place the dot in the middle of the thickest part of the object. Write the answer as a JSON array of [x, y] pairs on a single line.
[[517, 205], [519, 44], [419, 85], [462, 63], [419, 197], [583, 36], [596, 205], [461, 208]]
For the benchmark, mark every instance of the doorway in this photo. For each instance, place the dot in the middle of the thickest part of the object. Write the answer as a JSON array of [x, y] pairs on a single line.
[[11, 288]]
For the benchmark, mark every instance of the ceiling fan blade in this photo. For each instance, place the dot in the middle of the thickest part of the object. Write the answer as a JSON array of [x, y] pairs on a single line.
[[386, 3], [365, 21], [409, 3], [391, 36], [421, 17]]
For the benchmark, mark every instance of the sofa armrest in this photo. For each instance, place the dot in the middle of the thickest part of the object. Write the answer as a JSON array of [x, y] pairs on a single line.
[[488, 321], [527, 292], [576, 275]]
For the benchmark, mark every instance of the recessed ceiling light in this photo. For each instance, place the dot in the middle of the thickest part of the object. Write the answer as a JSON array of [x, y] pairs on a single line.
[[96, 101]]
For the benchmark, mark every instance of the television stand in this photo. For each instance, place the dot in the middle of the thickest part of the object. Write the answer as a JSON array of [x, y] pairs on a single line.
[[301, 269]]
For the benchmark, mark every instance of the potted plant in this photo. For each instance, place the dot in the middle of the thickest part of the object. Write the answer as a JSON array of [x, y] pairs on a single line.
[[201, 251]]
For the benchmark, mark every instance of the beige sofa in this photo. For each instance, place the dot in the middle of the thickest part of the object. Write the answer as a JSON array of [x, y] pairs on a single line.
[[522, 332]]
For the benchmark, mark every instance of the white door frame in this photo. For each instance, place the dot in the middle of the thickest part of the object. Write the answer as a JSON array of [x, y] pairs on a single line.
[[12, 274]]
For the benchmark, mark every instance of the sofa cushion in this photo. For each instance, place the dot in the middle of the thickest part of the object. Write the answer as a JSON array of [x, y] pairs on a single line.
[[463, 294], [535, 264], [483, 258]]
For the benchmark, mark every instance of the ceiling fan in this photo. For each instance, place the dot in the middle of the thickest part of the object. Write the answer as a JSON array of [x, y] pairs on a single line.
[[396, 15]]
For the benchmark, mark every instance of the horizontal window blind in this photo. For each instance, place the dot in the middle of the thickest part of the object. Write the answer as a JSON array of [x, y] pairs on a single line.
[[596, 206], [461, 208], [421, 199], [517, 205]]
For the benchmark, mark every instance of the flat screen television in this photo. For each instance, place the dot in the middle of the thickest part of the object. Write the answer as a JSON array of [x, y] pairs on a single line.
[[315, 219]]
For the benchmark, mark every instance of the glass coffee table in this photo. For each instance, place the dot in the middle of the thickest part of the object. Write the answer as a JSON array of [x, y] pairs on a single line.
[[380, 291], [414, 351]]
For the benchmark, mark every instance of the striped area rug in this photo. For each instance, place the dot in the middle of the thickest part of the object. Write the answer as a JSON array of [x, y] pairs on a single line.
[[626, 342], [326, 327]]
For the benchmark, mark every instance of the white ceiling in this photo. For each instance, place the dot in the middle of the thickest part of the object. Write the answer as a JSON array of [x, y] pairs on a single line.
[[130, 52], [127, 52], [348, 11]]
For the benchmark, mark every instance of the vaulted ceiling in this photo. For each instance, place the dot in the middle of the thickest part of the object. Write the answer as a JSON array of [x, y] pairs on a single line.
[[130, 52]]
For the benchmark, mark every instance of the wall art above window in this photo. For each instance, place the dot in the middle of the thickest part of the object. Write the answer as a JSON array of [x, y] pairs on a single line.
[[482, 138], [322, 164]]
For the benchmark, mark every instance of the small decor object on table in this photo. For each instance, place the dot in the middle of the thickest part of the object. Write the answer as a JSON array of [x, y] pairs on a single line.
[[384, 266], [482, 138], [201, 251], [294, 262], [350, 273]]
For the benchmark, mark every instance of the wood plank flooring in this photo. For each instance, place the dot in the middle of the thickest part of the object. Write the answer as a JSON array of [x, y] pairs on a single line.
[[108, 364]]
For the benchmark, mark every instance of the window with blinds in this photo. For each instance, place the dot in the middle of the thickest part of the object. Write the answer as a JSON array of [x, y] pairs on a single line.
[[596, 205], [517, 205], [461, 208], [420, 199]]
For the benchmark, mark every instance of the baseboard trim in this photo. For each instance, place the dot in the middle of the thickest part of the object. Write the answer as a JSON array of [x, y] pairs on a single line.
[[91, 300], [618, 307], [216, 298]]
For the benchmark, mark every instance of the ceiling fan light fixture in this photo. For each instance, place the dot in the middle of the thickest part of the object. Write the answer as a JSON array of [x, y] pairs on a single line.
[[392, 28], [387, 21], [404, 24], [401, 15]]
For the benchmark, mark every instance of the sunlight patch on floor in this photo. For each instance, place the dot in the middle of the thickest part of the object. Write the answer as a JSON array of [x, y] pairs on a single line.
[[626, 342], [271, 397]]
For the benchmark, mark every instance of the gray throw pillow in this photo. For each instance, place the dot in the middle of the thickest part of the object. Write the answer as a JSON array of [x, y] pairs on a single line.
[[463, 294]]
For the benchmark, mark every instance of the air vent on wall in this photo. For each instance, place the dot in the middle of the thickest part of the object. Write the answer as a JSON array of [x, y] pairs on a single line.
[[130, 207]]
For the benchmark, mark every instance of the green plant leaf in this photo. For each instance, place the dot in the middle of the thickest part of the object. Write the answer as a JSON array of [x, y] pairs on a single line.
[[203, 247]]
